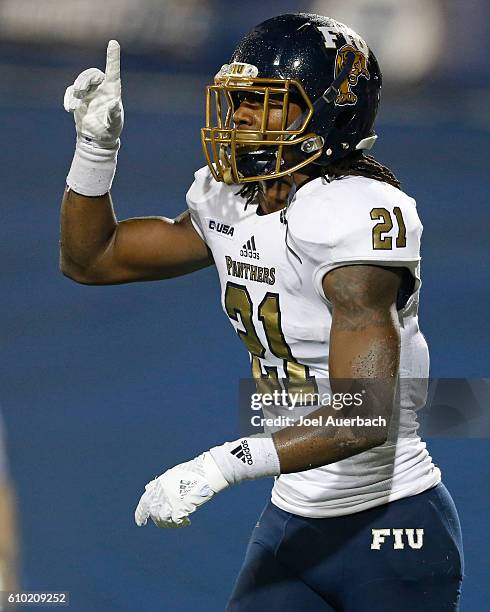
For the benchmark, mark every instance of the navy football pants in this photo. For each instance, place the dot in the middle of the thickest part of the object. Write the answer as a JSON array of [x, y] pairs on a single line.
[[294, 563]]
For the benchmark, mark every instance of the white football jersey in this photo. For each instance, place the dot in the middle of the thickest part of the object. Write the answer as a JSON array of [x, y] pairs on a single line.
[[271, 269]]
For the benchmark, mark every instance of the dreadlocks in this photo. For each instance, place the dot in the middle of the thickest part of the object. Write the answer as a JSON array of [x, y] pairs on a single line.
[[358, 164], [250, 193], [355, 164]]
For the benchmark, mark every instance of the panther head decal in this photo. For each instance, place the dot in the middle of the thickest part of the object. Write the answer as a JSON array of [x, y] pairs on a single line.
[[359, 69]]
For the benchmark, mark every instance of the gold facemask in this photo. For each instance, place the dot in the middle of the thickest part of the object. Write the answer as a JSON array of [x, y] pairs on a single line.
[[223, 144]]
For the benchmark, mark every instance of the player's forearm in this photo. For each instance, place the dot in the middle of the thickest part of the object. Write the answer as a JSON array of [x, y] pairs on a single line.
[[87, 226], [87, 218], [363, 364], [330, 436]]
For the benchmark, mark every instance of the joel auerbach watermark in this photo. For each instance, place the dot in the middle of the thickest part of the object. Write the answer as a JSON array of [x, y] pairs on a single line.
[[457, 408]]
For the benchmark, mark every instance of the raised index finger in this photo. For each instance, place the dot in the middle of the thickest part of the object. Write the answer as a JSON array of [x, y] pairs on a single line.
[[112, 66]]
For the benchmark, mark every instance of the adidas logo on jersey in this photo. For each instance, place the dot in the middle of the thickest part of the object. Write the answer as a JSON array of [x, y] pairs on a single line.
[[249, 249], [185, 486], [242, 452]]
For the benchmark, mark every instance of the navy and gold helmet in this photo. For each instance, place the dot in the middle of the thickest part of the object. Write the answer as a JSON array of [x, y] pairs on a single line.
[[319, 63]]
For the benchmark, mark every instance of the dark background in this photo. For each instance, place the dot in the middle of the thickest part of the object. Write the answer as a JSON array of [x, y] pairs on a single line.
[[102, 388]]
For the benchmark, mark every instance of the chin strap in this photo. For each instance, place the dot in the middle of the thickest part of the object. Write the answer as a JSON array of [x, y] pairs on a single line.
[[291, 195]]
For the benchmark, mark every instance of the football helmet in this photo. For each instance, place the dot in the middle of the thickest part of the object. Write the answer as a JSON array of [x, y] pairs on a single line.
[[317, 62]]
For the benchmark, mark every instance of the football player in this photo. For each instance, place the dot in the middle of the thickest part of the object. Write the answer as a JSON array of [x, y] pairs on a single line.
[[318, 254]]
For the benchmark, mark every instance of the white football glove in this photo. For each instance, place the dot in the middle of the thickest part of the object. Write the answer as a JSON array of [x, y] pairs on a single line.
[[170, 498], [95, 101]]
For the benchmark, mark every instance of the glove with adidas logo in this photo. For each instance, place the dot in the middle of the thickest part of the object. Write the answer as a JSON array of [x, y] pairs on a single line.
[[172, 497]]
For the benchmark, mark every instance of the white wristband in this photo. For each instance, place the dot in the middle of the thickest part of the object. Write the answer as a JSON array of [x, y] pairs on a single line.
[[247, 459], [93, 168]]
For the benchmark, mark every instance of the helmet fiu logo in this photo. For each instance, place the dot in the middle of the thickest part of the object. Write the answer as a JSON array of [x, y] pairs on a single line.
[[359, 69]]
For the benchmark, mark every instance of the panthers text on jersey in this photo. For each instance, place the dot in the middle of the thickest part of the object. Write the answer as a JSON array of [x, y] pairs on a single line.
[[271, 289]]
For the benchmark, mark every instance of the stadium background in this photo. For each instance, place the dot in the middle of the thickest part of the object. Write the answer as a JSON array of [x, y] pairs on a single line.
[[104, 387]]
